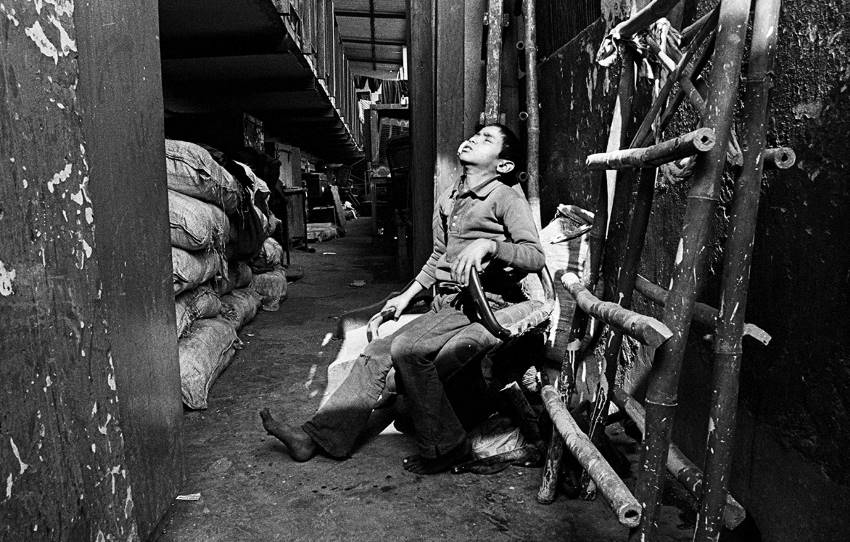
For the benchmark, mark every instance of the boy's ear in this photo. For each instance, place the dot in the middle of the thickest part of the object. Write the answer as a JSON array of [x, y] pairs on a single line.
[[504, 166]]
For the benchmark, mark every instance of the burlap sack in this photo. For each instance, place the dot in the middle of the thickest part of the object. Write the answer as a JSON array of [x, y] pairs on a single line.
[[191, 269], [240, 306], [196, 304], [192, 171], [204, 353], [196, 225], [272, 287]]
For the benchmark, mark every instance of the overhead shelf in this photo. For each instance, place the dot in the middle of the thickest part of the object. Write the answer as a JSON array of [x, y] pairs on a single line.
[[259, 57]]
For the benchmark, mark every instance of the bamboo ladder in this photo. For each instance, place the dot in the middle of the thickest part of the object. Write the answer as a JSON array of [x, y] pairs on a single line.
[[712, 145]]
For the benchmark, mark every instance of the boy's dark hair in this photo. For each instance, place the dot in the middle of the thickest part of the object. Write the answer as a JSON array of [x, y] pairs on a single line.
[[511, 147]]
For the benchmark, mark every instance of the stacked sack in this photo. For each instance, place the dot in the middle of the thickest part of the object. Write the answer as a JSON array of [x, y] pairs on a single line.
[[213, 297], [269, 276]]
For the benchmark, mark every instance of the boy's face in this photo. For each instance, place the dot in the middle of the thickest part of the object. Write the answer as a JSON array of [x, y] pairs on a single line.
[[483, 148]]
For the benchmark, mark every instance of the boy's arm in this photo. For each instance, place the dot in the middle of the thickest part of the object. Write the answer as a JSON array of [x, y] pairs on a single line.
[[523, 250], [427, 277]]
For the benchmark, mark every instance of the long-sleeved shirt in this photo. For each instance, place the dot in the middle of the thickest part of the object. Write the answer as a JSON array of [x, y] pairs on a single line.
[[492, 210]]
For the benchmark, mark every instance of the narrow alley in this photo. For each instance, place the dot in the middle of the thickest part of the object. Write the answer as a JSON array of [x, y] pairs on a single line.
[[251, 490]]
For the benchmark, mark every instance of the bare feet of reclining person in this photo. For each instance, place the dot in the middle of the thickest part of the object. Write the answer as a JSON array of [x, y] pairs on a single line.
[[301, 447], [418, 464]]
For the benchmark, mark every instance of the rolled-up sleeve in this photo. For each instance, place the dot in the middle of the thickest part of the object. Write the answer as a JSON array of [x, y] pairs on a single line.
[[522, 249]]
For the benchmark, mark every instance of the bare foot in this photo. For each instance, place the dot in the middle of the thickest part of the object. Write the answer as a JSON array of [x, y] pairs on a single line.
[[427, 465], [301, 447]]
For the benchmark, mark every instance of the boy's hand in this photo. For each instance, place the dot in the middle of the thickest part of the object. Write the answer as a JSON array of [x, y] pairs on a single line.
[[474, 256], [397, 304]]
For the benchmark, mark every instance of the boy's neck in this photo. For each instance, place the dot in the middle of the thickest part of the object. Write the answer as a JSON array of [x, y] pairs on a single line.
[[476, 176]]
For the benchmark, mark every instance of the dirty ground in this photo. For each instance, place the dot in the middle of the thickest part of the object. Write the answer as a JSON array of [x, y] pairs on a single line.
[[251, 490]]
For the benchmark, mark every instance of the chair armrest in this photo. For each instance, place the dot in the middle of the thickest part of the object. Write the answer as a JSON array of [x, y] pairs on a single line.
[[491, 323]]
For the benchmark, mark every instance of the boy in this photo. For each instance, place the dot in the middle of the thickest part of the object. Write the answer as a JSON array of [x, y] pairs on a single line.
[[480, 223]]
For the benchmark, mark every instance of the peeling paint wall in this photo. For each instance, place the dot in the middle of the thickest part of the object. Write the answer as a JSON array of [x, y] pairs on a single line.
[[80, 117], [790, 466], [62, 455]]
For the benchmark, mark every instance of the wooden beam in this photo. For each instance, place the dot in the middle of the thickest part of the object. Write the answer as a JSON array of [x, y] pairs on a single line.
[[369, 41], [473, 65], [421, 79], [449, 106], [367, 15]]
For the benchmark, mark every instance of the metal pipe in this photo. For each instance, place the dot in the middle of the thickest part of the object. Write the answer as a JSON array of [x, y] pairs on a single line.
[[533, 110], [619, 498], [700, 140], [736, 274], [662, 392]]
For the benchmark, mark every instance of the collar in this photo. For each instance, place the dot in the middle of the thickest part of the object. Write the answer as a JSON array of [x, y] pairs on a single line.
[[481, 191]]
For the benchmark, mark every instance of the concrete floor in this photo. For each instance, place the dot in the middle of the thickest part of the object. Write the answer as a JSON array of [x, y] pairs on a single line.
[[251, 490]]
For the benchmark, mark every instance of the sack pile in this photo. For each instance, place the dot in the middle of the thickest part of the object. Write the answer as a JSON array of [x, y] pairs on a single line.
[[220, 227]]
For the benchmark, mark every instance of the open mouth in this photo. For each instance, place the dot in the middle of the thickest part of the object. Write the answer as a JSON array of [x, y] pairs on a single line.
[[465, 147]]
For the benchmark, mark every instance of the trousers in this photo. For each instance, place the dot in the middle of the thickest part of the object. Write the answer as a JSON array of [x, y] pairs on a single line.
[[426, 352]]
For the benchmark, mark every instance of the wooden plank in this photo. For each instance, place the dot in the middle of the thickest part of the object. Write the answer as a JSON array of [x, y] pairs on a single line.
[[63, 426], [449, 107], [422, 126], [339, 210]]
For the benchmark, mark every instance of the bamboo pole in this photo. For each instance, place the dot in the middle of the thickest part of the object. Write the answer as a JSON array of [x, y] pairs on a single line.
[[736, 274], [703, 313], [532, 110], [662, 392], [700, 140], [779, 158], [643, 18], [643, 205], [690, 63], [646, 329], [678, 464], [619, 498]]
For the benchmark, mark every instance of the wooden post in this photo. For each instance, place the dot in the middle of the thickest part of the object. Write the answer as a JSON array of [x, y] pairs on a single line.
[[473, 65], [662, 393], [89, 360], [736, 274], [449, 107], [493, 96], [532, 109], [422, 111]]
